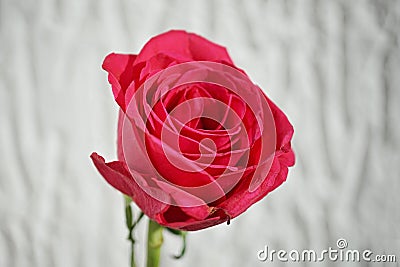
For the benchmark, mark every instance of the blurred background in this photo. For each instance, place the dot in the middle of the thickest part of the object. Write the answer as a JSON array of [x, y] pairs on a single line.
[[332, 66]]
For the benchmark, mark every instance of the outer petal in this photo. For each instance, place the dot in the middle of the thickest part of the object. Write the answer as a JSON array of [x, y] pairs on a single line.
[[284, 130], [174, 217], [199, 225], [120, 74], [189, 218], [180, 44], [118, 176], [159, 51], [188, 203], [240, 199]]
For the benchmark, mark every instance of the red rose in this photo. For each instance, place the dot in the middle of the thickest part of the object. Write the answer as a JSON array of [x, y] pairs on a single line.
[[198, 142]]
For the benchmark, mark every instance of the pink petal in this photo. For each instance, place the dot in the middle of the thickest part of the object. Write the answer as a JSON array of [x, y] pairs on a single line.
[[178, 44], [117, 175], [120, 74]]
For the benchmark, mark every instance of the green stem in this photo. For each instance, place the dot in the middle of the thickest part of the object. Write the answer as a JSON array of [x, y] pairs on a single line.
[[133, 262], [154, 243], [131, 225]]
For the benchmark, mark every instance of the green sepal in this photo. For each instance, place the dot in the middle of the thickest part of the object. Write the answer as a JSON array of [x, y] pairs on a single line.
[[182, 234]]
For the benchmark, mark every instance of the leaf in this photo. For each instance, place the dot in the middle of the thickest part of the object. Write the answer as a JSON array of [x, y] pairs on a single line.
[[182, 234]]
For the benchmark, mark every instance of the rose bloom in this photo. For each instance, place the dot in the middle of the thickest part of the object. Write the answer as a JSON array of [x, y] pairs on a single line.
[[198, 142]]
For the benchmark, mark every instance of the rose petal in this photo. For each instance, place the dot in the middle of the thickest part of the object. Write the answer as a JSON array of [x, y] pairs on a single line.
[[284, 130], [190, 204], [240, 199], [117, 175], [120, 74], [174, 217], [178, 44]]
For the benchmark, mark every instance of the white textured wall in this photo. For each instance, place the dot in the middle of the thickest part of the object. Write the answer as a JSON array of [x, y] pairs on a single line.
[[332, 66]]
